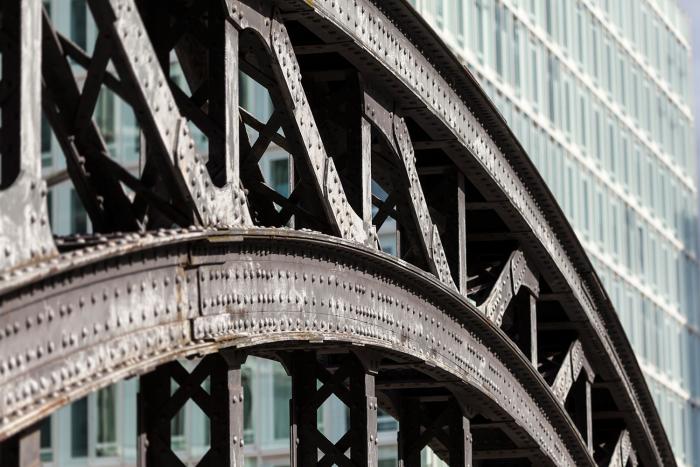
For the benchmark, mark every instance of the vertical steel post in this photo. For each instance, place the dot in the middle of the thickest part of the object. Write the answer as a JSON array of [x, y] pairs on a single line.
[[153, 443], [533, 330], [363, 416], [460, 440], [223, 93], [589, 416], [23, 449], [461, 234], [409, 432], [366, 168], [303, 450], [226, 422], [580, 398], [583, 416], [454, 229], [25, 233]]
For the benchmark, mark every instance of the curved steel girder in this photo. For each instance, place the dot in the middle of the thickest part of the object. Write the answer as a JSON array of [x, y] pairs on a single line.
[[388, 38], [95, 318], [372, 42]]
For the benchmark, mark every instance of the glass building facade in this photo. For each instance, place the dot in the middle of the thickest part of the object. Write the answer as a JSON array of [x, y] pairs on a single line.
[[599, 94], [597, 91]]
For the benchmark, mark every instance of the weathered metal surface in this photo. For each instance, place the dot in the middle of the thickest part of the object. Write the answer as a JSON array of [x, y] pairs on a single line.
[[248, 288], [382, 44], [574, 362], [222, 404], [623, 454], [25, 234], [396, 134], [352, 382], [515, 274], [119, 304], [137, 61], [421, 422], [285, 68]]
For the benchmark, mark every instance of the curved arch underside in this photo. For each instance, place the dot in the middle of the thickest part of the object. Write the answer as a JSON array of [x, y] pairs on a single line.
[[113, 318], [364, 93]]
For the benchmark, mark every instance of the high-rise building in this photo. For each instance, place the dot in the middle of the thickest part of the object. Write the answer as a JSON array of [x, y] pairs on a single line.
[[598, 92]]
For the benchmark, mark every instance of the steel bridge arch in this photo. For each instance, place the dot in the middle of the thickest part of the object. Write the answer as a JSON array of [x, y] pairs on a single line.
[[273, 288], [409, 112]]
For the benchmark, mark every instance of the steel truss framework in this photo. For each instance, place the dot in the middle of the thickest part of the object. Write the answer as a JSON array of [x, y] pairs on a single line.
[[512, 357]]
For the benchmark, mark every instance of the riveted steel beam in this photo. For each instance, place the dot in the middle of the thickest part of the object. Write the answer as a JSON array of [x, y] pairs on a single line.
[[574, 362], [623, 454], [243, 288], [504, 454], [25, 235], [290, 90], [394, 130], [82, 143], [137, 61], [515, 274], [118, 305], [448, 104]]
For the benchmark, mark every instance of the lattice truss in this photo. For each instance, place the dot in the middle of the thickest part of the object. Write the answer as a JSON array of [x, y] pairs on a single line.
[[365, 154]]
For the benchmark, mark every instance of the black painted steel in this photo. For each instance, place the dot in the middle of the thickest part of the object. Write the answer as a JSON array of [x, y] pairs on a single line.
[[518, 348]]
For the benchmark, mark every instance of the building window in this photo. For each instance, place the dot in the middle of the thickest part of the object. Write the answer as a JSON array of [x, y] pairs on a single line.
[[45, 142], [623, 92], [282, 392], [248, 428], [78, 214], [583, 123], [585, 202], [614, 221], [579, 24], [594, 50], [516, 54], [608, 67], [177, 424], [598, 135], [279, 174], [640, 245], [459, 13], [45, 434], [601, 218], [480, 29], [440, 13], [104, 116], [106, 422], [79, 428], [565, 25], [535, 75], [499, 41], [553, 69], [49, 206], [78, 25], [567, 109], [386, 422]]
